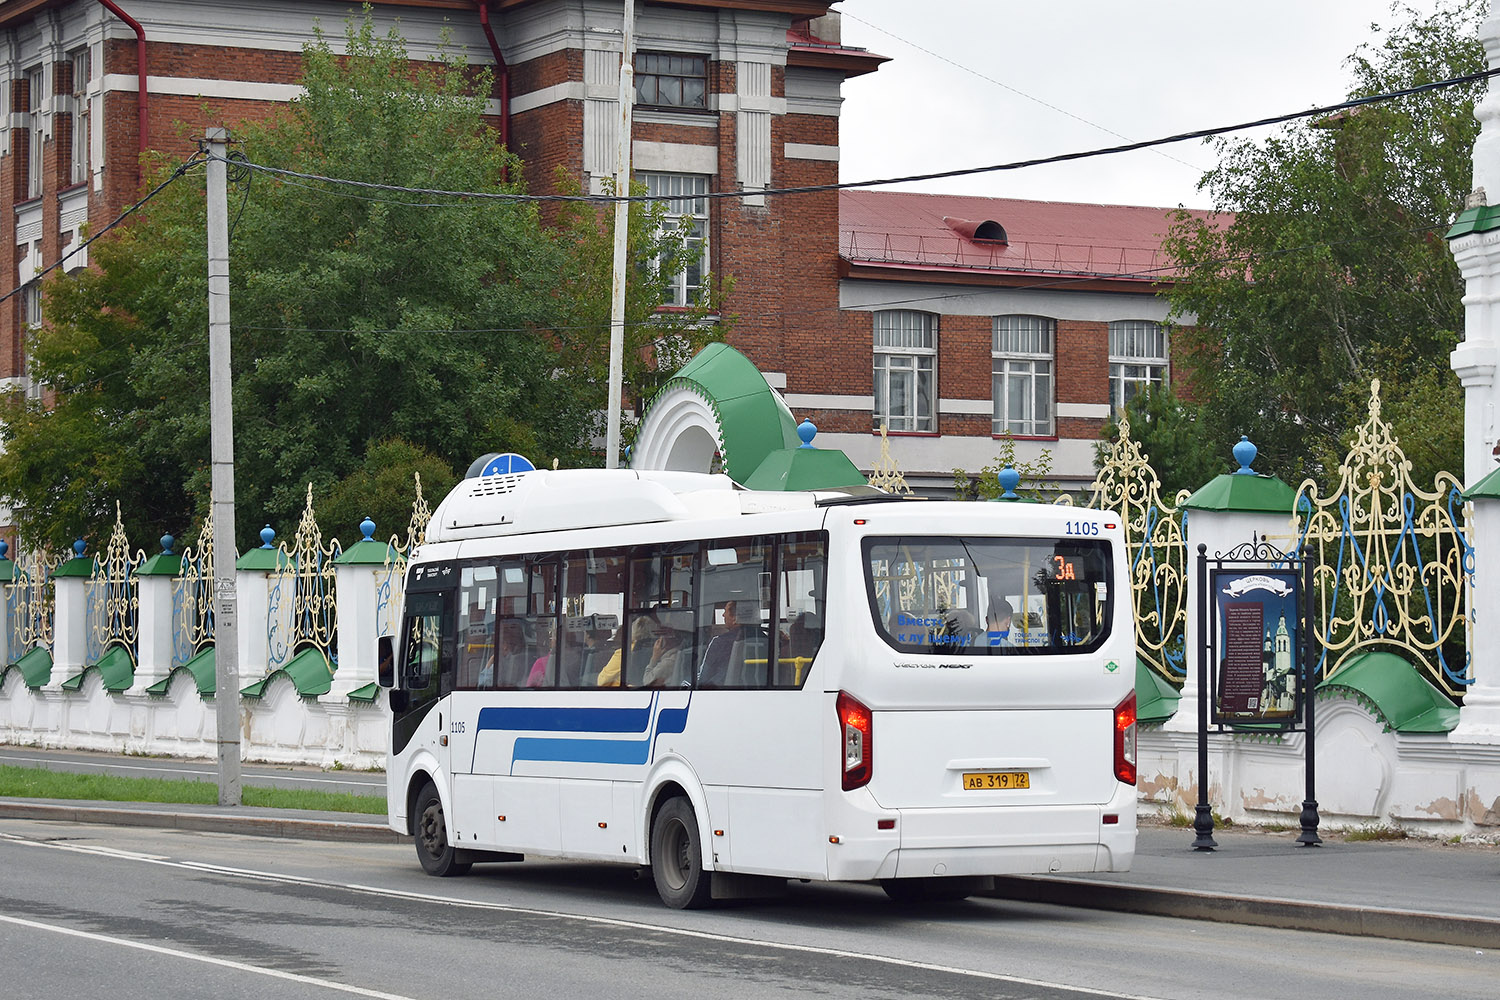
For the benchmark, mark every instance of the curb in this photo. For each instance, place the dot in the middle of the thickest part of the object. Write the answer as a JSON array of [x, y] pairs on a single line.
[[1260, 911], [258, 826]]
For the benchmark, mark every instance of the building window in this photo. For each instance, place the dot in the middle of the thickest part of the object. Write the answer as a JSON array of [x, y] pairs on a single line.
[[671, 80], [687, 210], [31, 304], [1137, 359], [35, 97], [1022, 375], [79, 169], [905, 370]]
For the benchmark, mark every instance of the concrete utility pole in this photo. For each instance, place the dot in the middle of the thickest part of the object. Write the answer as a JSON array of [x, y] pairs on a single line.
[[221, 451], [622, 236]]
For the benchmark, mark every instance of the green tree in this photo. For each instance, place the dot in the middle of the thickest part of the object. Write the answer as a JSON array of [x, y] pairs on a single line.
[[1170, 435], [383, 489], [1035, 482], [458, 325], [1333, 269]]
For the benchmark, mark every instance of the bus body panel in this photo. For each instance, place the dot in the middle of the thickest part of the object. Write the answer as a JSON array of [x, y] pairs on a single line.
[[1064, 755]]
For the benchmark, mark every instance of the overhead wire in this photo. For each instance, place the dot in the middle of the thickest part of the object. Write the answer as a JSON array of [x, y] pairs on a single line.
[[1205, 133], [181, 170]]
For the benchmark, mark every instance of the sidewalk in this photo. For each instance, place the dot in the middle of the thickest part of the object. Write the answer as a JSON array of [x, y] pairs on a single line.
[[1405, 890]]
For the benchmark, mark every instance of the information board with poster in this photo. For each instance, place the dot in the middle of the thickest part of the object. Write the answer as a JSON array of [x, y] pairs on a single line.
[[1256, 646]]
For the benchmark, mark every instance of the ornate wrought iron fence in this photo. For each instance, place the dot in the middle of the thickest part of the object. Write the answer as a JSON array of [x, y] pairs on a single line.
[[1394, 567], [29, 598], [1155, 546], [193, 598], [113, 600], [390, 585], [303, 601]]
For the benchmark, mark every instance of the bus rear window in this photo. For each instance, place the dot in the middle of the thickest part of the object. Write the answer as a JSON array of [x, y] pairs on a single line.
[[989, 596]]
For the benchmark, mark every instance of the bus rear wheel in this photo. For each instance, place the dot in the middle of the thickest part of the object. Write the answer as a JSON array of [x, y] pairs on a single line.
[[677, 857], [430, 833]]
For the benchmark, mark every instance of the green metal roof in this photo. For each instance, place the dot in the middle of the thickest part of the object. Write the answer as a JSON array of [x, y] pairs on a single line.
[[202, 668], [366, 694], [35, 667], [309, 670], [805, 469], [161, 564], [116, 666], [753, 421], [1480, 219], [1394, 692], [78, 566], [1155, 698], [1489, 486], [1236, 492], [264, 559], [367, 552]]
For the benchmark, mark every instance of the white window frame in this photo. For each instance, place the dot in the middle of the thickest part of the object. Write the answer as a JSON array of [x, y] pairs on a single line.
[[80, 164], [1021, 375], [905, 354], [36, 96], [686, 196], [1138, 359]]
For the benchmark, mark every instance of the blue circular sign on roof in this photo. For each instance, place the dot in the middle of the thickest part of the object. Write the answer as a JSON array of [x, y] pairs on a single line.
[[509, 462]]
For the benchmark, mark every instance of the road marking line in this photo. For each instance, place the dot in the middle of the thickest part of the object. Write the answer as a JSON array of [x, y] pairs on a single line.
[[206, 959], [370, 890]]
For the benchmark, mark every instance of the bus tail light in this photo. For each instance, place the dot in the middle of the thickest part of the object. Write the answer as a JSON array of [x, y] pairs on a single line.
[[857, 741], [1125, 728]]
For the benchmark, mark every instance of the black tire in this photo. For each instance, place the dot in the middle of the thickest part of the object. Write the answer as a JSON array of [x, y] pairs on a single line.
[[930, 890], [430, 834], [677, 857]]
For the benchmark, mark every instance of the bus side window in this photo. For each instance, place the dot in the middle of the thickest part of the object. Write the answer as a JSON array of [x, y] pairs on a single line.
[[800, 592]]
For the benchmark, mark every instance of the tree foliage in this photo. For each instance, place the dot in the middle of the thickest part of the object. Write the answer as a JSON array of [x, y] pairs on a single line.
[[1333, 269], [457, 325], [1035, 482]]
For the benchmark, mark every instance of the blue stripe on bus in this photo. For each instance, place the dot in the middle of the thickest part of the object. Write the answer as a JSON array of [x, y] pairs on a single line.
[[567, 720], [543, 748]]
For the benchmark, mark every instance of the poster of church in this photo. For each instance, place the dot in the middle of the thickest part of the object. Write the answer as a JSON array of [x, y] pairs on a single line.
[[1256, 646]]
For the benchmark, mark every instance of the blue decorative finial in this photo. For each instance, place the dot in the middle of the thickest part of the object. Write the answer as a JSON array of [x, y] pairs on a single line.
[[266, 534], [78, 547], [367, 528], [1244, 453], [4, 549], [166, 544], [807, 430], [1009, 480]]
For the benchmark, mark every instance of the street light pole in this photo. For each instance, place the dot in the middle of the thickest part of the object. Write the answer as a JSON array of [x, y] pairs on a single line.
[[622, 235], [221, 453]]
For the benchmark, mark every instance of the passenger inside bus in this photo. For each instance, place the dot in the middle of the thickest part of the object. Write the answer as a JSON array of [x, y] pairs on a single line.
[[641, 638], [999, 621], [724, 659], [667, 667]]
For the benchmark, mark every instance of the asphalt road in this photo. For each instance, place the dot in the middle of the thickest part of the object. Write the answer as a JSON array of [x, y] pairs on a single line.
[[260, 775], [89, 910]]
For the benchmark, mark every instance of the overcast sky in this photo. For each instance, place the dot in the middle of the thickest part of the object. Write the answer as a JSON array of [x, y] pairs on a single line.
[[1004, 80]]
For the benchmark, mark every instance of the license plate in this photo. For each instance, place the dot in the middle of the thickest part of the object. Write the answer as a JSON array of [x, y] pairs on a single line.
[[981, 781]]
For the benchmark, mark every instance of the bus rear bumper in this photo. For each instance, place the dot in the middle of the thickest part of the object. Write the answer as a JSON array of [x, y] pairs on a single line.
[[1000, 840]]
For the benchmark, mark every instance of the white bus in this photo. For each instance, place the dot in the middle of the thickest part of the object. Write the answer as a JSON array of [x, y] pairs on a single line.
[[738, 688]]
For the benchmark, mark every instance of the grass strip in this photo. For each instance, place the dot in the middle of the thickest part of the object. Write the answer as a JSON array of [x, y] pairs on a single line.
[[39, 783]]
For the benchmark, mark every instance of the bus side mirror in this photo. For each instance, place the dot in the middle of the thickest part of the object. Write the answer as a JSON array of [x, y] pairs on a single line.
[[386, 658]]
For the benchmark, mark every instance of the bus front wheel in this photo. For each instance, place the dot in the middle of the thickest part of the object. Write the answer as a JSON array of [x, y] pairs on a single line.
[[430, 832], [677, 857]]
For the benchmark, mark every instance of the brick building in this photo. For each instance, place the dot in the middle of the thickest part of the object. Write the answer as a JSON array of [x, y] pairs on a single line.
[[964, 319], [862, 307]]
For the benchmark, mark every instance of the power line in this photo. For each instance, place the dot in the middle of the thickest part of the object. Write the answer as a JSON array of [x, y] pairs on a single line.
[[1205, 133], [1005, 86], [181, 169]]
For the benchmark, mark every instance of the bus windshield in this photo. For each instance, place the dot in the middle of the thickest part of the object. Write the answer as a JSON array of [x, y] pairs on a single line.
[[989, 596]]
